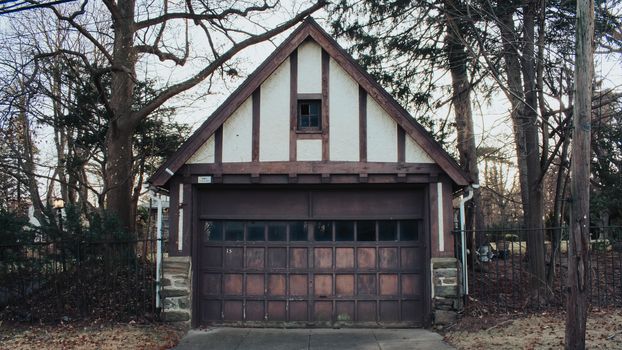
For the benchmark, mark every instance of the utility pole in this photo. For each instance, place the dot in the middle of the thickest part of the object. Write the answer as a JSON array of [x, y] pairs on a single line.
[[578, 253]]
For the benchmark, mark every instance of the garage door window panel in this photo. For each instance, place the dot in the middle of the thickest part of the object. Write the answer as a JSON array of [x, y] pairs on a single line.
[[277, 231], [212, 231], [365, 231], [298, 231], [255, 231], [344, 231], [234, 231], [387, 230], [323, 231], [409, 230]]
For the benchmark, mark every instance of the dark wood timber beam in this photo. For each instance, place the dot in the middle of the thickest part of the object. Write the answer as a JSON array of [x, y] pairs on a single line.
[[297, 168]]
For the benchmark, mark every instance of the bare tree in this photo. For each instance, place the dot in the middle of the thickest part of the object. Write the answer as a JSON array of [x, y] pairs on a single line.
[[139, 33]]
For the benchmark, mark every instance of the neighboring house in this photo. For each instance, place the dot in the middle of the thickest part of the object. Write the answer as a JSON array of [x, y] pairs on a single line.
[[310, 198]]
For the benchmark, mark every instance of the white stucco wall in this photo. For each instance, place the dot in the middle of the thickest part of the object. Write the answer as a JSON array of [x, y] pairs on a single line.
[[381, 134], [309, 68], [309, 150], [414, 153], [274, 116], [237, 134], [205, 154], [344, 115]]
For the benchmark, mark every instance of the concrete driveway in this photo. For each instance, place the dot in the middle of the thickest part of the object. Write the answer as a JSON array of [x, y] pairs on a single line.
[[298, 339]]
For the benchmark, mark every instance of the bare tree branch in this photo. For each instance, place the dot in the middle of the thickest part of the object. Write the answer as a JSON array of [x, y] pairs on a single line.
[[220, 60]]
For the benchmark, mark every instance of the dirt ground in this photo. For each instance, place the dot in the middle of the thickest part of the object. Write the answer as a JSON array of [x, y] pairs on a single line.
[[92, 336], [539, 331]]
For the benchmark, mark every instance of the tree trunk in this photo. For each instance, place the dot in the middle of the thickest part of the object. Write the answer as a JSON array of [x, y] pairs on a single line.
[[121, 128], [119, 174], [457, 58], [514, 82], [560, 188], [28, 164], [578, 253], [535, 222]]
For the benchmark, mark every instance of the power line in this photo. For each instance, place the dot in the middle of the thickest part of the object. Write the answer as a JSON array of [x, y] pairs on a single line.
[[10, 6]]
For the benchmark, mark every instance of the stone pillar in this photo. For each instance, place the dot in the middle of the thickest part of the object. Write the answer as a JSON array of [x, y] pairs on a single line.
[[176, 289], [446, 291]]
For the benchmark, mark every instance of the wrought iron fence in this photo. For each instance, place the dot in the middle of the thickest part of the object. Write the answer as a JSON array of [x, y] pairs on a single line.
[[76, 279], [498, 272]]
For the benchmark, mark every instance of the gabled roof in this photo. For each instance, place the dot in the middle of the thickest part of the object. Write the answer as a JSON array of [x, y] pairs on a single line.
[[310, 28]]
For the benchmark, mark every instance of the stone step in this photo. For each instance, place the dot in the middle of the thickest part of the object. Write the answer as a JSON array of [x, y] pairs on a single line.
[[176, 264], [175, 316], [173, 292]]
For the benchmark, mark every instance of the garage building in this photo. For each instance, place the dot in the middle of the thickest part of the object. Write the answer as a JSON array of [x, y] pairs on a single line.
[[310, 198]]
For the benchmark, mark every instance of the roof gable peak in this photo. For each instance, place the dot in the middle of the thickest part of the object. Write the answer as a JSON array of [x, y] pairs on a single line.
[[309, 29]]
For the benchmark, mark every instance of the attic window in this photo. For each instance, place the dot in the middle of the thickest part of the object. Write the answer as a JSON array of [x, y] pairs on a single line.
[[309, 115]]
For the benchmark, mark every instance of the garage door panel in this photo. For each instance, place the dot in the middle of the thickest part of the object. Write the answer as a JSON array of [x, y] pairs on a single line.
[[298, 285], [412, 258], [212, 257], [388, 285], [276, 285], [211, 310], [233, 310], [323, 258], [388, 258], [254, 204], [411, 311], [344, 258], [255, 258], [234, 258], [367, 204], [366, 311], [366, 258], [366, 284], [389, 311], [298, 311], [255, 310], [344, 311], [298, 258], [277, 311], [323, 310], [344, 285], [277, 258], [210, 284], [255, 284], [411, 284], [323, 286], [232, 284]]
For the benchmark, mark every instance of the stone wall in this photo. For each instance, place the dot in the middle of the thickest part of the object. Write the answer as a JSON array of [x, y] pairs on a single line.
[[446, 291], [176, 292]]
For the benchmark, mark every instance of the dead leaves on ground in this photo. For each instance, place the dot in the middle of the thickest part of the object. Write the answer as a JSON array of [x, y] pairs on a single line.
[[92, 336], [536, 331]]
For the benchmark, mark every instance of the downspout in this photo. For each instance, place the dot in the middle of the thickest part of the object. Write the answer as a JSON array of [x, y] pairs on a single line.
[[465, 275], [158, 248]]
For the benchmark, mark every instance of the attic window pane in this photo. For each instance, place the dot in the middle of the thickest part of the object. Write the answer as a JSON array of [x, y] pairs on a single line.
[[304, 109], [309, 115]]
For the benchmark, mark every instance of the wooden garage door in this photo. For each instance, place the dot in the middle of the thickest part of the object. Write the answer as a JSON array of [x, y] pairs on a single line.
[[311, 272]]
